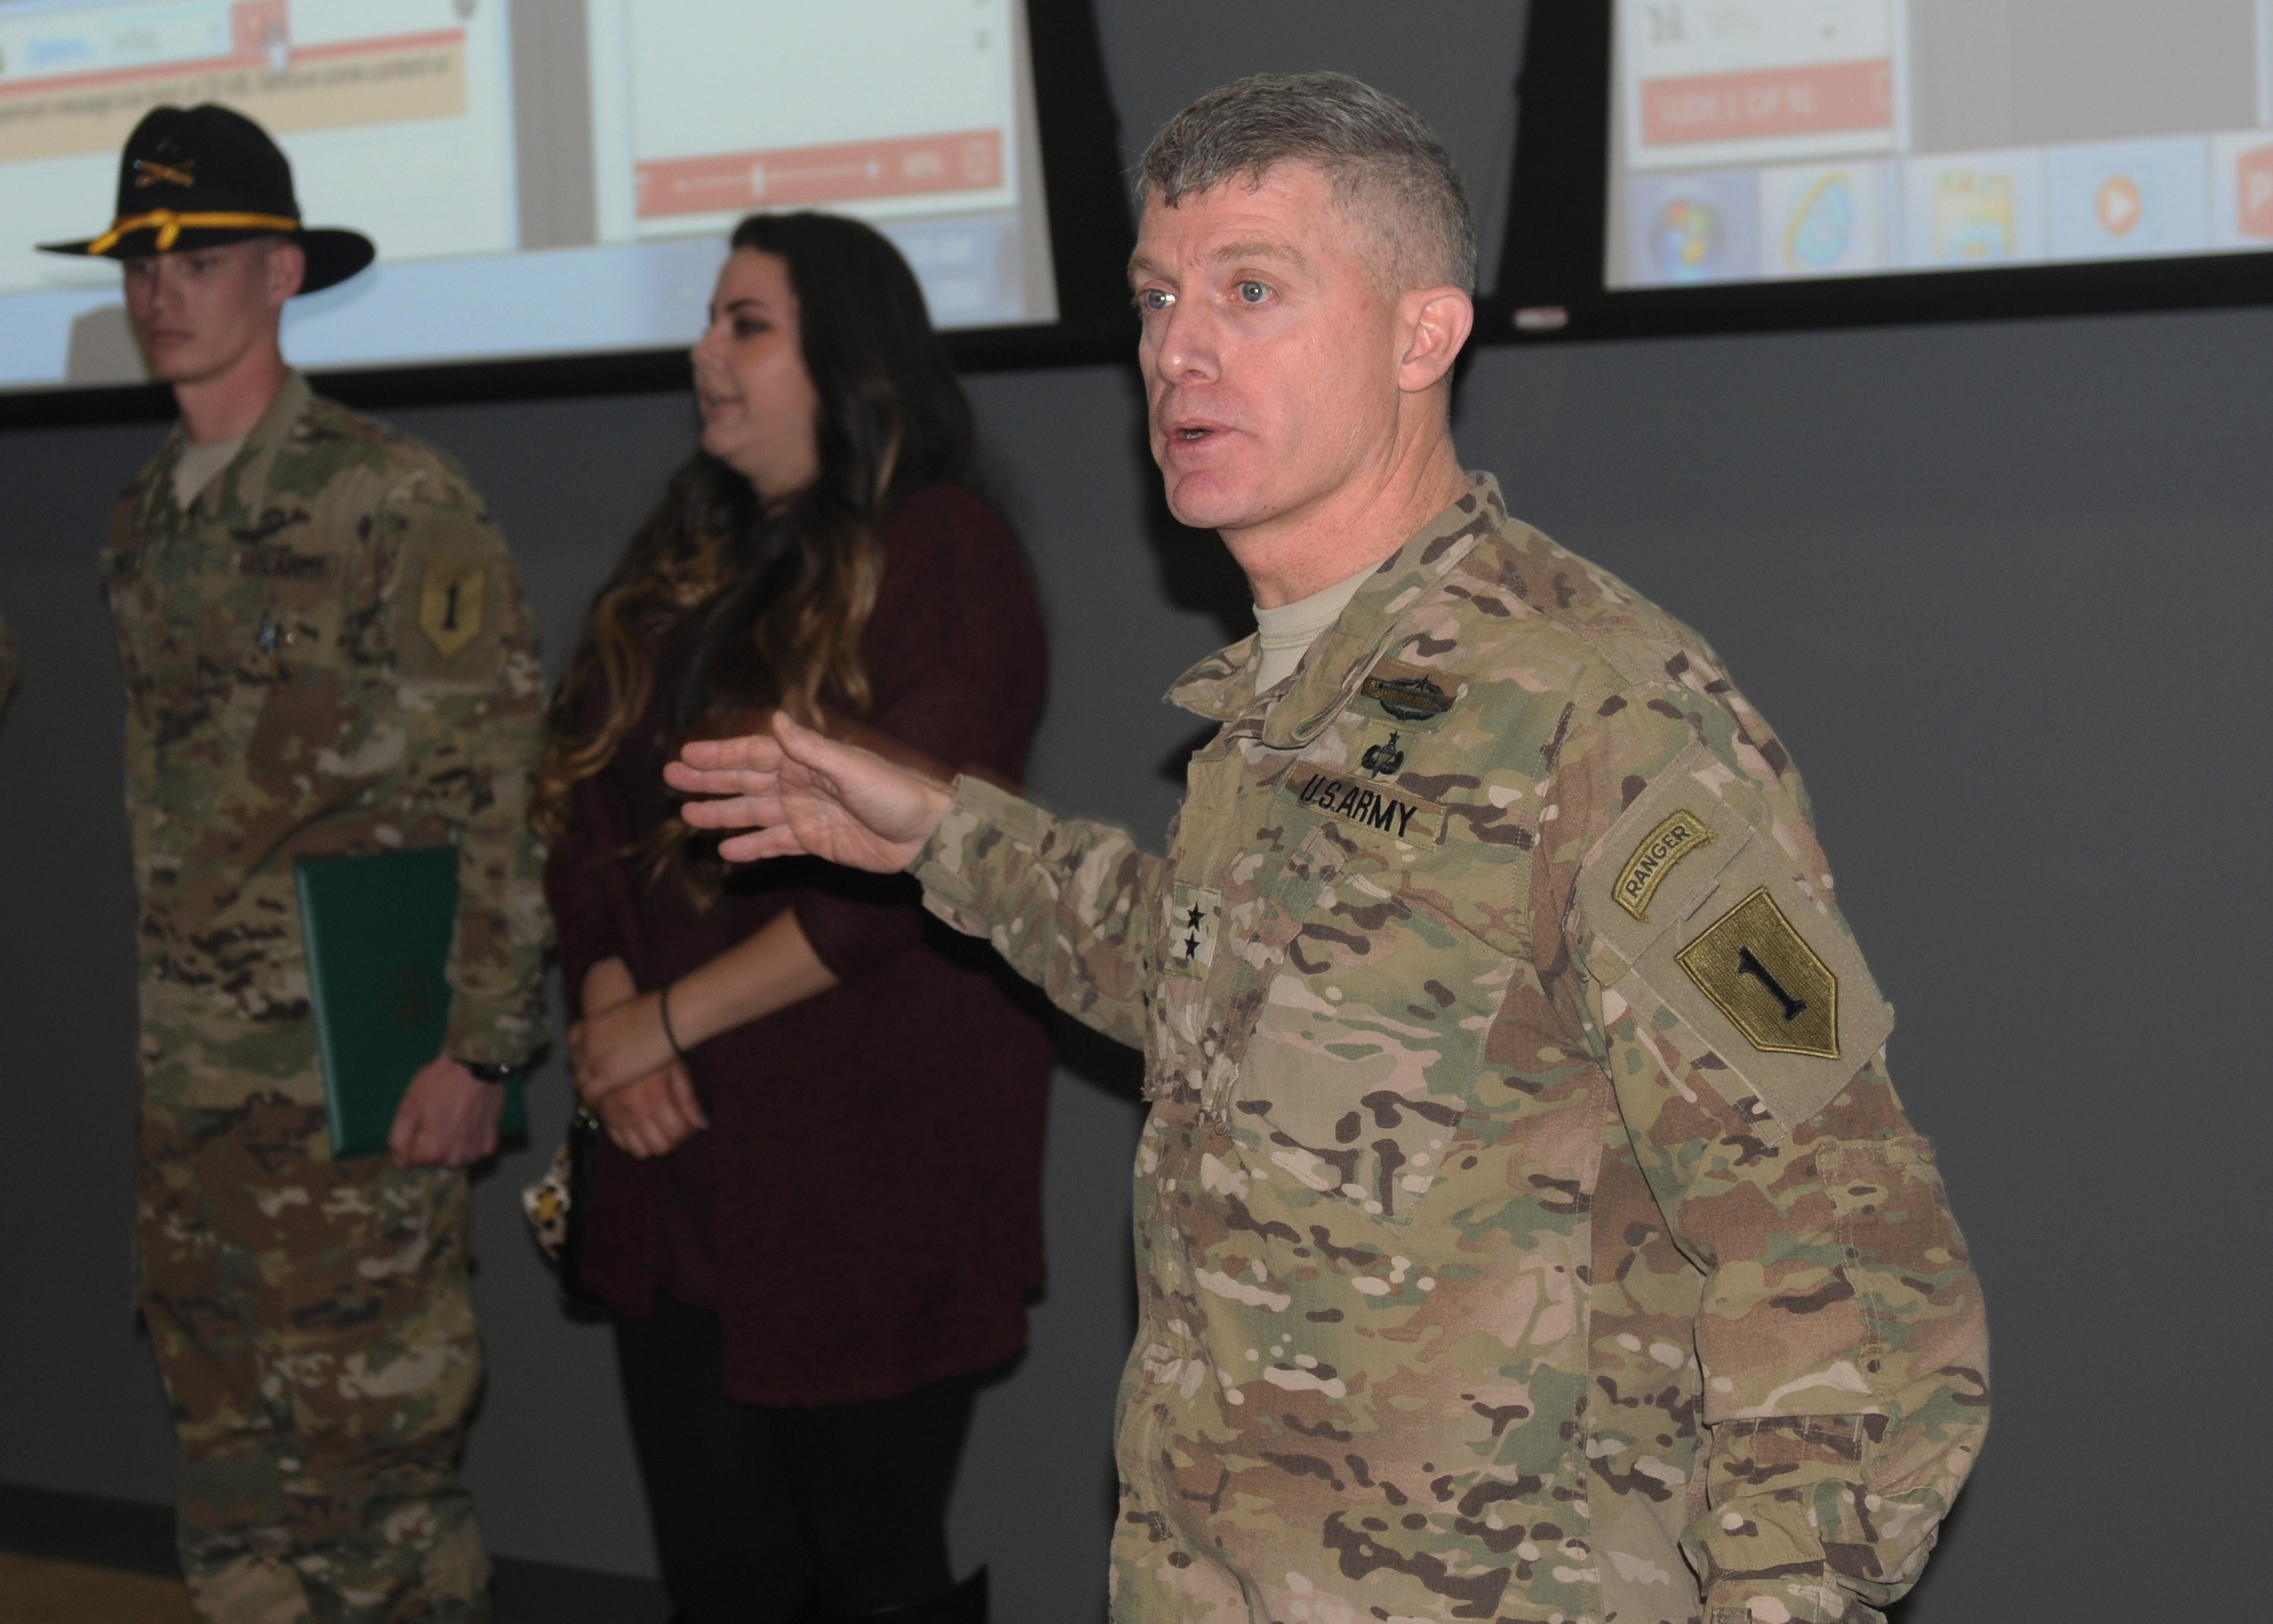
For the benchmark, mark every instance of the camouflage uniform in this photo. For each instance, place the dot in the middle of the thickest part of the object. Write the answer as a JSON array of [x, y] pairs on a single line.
[[327, 653], [1525, 1226]]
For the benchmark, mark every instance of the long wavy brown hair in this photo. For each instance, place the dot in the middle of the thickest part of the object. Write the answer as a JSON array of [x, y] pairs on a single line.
[[784, 595]]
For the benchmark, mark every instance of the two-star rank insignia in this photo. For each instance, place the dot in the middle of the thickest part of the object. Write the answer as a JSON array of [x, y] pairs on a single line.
[[450, 604], [1191, 921], [1761, 974]]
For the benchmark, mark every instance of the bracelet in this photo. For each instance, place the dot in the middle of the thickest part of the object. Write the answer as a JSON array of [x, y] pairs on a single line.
[[662, 1007]]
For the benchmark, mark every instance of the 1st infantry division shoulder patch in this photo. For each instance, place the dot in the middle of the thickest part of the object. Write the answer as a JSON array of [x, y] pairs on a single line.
[[1760, 973], [450, 605]]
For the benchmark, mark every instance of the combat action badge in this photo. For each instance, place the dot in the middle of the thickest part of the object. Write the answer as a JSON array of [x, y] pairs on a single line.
[[1763, 977], [450, 604], [1408, 699]]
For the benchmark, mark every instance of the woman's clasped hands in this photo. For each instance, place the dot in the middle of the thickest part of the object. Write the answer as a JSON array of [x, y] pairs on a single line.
[[625, 1069]]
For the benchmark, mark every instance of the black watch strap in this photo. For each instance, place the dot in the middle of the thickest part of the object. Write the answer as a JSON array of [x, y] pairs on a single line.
[[489, 1071]]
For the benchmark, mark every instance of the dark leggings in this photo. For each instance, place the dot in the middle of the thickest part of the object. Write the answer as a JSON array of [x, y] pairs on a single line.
[[753, 1507]]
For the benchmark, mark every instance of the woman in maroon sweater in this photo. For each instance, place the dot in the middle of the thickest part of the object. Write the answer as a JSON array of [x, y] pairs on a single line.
[[816, 1213]]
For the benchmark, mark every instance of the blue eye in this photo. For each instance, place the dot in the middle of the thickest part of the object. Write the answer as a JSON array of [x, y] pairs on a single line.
[[1253, 293], [1153, 300]]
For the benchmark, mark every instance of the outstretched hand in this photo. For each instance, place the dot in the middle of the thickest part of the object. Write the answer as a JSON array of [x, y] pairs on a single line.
[[801, 792]]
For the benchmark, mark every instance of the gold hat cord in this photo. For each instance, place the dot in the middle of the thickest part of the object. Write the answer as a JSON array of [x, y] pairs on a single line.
[[170, 225]]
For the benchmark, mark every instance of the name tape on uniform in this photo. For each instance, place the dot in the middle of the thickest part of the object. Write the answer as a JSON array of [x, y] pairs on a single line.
[[1368, 807]]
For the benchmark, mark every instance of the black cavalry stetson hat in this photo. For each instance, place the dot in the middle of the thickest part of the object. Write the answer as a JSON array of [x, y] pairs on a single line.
[[199, 177]]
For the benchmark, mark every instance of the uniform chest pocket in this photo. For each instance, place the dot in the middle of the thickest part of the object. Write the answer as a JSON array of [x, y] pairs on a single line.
[[1362, 1070], [315, 720], [158, 620]]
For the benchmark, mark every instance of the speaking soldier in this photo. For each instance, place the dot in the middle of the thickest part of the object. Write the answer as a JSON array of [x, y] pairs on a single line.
[[1526, 1224]]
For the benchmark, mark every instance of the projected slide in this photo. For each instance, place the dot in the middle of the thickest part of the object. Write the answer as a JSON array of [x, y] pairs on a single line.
[[690, 139], [1756, 140], [542, 177]]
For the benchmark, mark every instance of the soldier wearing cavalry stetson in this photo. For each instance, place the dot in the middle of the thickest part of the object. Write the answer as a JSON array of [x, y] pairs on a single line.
[[326, 651]]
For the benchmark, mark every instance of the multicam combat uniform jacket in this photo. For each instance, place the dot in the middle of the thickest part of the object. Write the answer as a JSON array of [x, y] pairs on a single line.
[[327, 653], [1526, 1227]]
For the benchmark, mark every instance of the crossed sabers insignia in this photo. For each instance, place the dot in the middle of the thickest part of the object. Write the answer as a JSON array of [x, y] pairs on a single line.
[[149, 172]]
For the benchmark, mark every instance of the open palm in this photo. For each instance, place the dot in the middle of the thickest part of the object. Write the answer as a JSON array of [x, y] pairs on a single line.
[[799, 792]]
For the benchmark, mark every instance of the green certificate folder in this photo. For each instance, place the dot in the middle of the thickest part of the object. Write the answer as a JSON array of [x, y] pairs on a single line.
[[377, 931]]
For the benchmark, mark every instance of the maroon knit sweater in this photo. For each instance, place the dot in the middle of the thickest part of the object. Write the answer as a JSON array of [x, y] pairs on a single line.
[[864, 1213]]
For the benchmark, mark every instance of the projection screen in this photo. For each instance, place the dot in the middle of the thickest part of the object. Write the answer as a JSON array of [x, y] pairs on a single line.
[[1759, 141], [549, 177]]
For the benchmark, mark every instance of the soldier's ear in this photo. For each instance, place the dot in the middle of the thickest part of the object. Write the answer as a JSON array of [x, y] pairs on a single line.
[[287, 270], [1433, 323]]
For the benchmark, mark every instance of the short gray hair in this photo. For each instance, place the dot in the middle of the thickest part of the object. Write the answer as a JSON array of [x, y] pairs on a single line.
[[1386, 165]]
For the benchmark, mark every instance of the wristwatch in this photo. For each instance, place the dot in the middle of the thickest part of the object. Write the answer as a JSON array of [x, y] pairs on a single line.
[[489, 1071]]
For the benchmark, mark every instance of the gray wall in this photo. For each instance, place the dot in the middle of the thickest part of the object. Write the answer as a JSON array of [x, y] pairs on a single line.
[[2001, 589]]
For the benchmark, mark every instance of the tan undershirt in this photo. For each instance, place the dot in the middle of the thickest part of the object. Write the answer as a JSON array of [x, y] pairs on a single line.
[[1287, 633], [199, 464]]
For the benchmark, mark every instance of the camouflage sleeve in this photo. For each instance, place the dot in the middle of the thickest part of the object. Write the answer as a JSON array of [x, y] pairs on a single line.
[[461, 649], [1840, 1337], [1066, 902], [138, 754]]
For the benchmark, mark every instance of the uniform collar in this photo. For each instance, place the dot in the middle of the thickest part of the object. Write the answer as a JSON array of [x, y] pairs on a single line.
[[1222, 686], [261, 442], [267, 437], [158, 494]]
